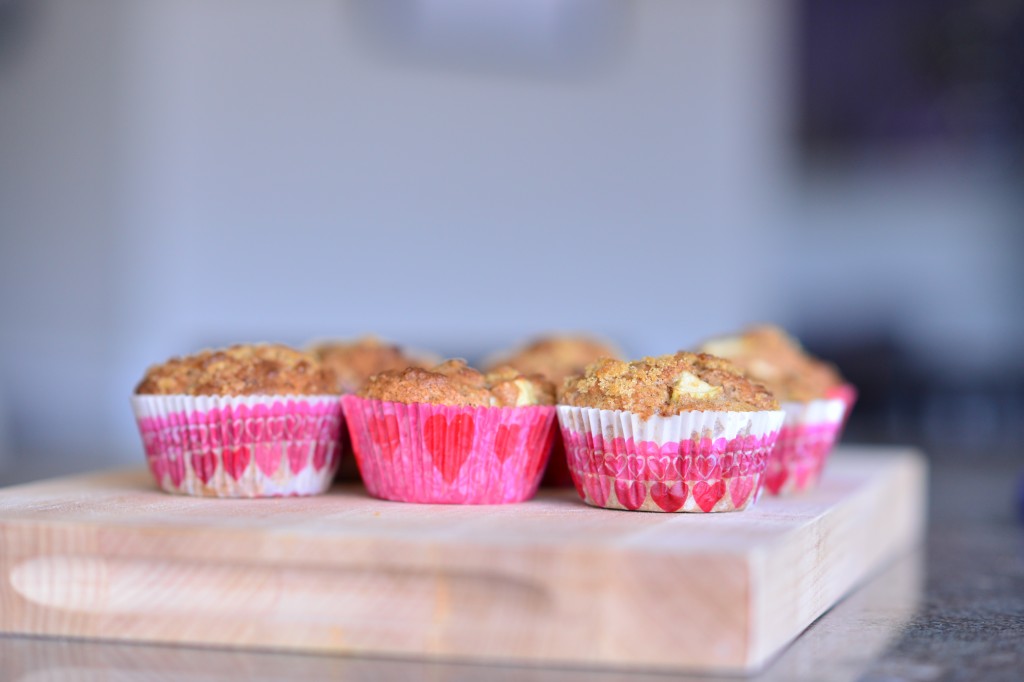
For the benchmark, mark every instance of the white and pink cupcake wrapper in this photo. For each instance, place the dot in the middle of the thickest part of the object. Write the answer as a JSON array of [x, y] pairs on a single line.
[[440, 454], [805, 441], [692, 462], [240, 446], [848, 394]]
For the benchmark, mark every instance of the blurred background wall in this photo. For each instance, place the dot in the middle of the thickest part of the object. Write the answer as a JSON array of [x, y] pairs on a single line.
[[176, 174]]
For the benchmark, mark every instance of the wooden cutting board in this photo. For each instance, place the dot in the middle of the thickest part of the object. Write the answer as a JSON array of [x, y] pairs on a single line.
[[551, 581]]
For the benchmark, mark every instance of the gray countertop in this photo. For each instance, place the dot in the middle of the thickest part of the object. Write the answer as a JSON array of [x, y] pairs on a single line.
[[952, 609]]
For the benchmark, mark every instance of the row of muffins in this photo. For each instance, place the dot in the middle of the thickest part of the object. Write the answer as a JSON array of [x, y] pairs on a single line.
[[451, 433]]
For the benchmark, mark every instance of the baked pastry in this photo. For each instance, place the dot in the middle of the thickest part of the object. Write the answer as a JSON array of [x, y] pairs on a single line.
[[813, 394], [667, 385], [684, 432], [353, 362], [246, 421], [453, 382], [774, 358], [264, 369], [557, 356], [452, 434]]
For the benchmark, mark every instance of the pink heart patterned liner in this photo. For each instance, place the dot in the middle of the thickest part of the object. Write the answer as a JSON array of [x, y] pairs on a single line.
[[695, 462], [240, 446], [808, 435], [442, 454]]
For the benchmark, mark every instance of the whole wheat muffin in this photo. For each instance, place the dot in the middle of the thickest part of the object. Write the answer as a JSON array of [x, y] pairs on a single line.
[[261, 369], [557, 357], [455, 383], [771, 356], [667, 385], [353, 362]]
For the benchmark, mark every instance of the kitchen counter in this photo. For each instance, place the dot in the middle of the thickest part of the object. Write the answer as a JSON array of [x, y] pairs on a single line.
[[950, 610]]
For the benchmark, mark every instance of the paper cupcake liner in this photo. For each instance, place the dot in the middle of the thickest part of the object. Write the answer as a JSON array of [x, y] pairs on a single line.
[[805, 441], [848, 394], [240, 446], [692, 462], [439, 454]]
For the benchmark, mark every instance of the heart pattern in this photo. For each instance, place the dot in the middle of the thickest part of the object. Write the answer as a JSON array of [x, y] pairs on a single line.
[[275, 429], [804, 443], [669, 497], [254, 430], [740, 489], [158, 466], [268, 457], [799, 456], [597, 488], [614, 465], [505, 441], [384, 434], [321, 452], [298, 456], [449, 443], [631, 494], [176, 469], [662, 468], [775, 477], [696, 475], [450, 454], [539, 447], [205, 465], [707, 495], [236, 461], [670, 479], [707, 466], [251, 445]]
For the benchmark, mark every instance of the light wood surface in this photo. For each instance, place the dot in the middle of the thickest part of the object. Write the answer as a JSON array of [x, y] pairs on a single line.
[[838, 647], [551, 581]]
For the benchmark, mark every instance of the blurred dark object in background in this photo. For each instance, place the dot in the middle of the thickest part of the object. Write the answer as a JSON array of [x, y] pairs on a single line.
[[916, 87], [902, 400], [15, 28], [919, 72]]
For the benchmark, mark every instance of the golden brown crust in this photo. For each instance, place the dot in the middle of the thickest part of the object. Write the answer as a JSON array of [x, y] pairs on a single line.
[[455, 383], [771, 356], [558, 357], [353, 362], [667, 385], [261, 369]]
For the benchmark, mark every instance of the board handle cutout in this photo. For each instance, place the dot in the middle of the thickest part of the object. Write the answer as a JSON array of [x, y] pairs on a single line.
[[340, 596]]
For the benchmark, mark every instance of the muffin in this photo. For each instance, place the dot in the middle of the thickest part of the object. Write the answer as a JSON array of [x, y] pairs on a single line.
[[675, 433], [774, 358], [557, 357], [668, 385], [451, 434], [353, 362], [245, 421], [814, 396]]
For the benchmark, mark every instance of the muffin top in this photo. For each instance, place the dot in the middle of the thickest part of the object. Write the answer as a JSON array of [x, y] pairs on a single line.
[[455, 383], [667, 385], [771, 356], [353, 362], [558, 357], [263, 369]]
